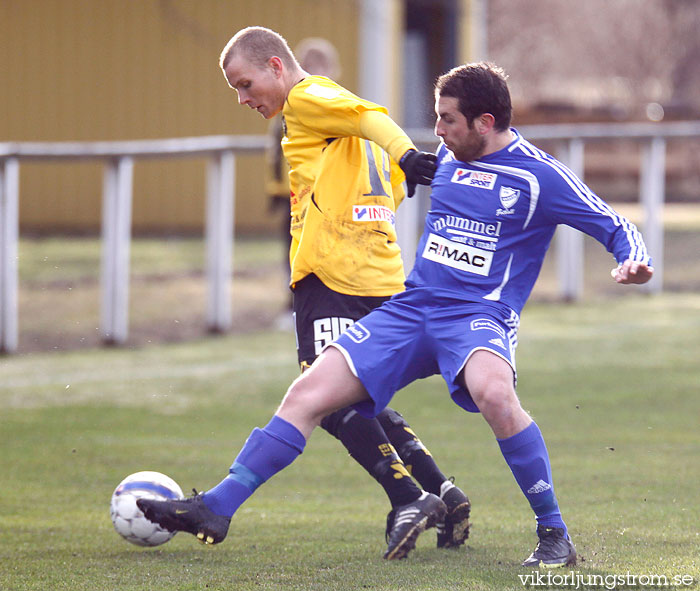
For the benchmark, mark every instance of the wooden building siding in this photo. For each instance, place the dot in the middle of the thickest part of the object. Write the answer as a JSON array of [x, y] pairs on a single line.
[[132, 69]]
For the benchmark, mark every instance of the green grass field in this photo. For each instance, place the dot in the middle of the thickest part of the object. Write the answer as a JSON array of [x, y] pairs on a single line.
[[612, 383]]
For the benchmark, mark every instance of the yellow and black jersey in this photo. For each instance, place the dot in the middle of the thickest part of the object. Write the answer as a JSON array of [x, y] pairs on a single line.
[[344, 192]]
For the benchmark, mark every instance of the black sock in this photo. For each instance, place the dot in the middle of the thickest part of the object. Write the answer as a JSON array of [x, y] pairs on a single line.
[[411, 450], [368, 445]]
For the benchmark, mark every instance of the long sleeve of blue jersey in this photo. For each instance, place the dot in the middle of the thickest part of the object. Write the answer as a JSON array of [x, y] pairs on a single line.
[[566, 199]]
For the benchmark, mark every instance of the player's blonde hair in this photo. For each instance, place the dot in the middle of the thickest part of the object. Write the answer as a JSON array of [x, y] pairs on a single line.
[[258, 45]]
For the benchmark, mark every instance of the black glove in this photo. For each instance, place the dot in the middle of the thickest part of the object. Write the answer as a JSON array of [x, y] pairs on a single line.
[[419, 168]]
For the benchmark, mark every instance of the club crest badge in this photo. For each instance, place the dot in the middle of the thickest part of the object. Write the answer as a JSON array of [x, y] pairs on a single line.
[[509, 197]]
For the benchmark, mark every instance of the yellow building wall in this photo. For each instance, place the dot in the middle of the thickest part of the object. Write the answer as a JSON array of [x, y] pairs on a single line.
[[132, 69]]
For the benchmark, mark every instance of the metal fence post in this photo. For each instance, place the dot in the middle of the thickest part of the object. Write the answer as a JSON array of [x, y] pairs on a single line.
[[409, 224], [9, 230], [569, 241], [376, 51], [219, 239], [116, 236], [652, 188]]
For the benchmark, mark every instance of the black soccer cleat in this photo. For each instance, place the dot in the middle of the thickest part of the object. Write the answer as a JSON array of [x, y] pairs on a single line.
[[454, 530], [190, 515], [553, 550], [405, 523]]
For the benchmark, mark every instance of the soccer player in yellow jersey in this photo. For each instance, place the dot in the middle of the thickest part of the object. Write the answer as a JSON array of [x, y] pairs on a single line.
[[345, 183], [316, 56]]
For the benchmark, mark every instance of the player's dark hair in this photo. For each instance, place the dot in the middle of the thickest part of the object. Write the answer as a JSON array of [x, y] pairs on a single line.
[[258, 44], [479, 88]]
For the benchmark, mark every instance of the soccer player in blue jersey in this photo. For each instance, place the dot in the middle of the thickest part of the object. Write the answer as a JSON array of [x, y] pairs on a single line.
[[496, 201]]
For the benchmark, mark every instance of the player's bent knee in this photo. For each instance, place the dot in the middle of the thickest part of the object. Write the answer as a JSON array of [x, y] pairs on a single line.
[[389, 418], [495, 397], [335, 421]]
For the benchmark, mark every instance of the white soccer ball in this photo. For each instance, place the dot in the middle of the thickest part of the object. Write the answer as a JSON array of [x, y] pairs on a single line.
[[129, 520]]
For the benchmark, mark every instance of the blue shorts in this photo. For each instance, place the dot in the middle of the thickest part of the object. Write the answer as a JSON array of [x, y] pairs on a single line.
[[414, 335]]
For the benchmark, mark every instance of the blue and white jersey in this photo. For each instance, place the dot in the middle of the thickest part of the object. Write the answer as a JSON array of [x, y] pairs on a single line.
[[491, 221]]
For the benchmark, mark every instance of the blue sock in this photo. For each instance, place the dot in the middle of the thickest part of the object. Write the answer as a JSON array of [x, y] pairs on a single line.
[[265, 452], [526, 455]]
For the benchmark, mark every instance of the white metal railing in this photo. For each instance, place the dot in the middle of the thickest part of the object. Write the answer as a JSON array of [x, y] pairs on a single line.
[[117, 191], [220, 151]]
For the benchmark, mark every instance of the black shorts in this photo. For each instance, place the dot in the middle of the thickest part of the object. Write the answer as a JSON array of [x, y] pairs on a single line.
[[321, 315]]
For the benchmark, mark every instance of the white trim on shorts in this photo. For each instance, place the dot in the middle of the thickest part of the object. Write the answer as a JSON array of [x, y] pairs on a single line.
[[346, 355], [475, 349], [496, 353]]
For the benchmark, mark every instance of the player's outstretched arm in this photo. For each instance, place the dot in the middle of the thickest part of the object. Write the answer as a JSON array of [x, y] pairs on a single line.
[[419, 167], [632, 272]]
